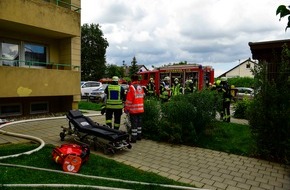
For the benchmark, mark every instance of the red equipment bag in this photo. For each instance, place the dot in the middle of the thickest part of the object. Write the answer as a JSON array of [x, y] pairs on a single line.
[[71, 156]]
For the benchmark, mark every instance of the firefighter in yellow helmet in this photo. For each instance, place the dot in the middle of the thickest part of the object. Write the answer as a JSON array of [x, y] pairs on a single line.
[[176, 88], [114, 103], [164, 89], [150, 88]]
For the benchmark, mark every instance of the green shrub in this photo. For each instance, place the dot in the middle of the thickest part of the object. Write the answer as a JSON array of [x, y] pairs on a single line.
[[242, 108], [242, 82], [151, 119], [182, 119]]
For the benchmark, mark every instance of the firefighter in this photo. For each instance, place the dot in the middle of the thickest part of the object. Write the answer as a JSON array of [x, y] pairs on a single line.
[[114, 103], [226, 90], [176, 89], [164, 89], [189, 87], [150, 88], [134, 105]]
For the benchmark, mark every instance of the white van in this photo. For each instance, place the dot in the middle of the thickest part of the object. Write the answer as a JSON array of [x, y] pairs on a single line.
[[88, 86]]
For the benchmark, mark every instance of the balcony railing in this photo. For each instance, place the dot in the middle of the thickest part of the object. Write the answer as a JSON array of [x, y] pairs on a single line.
[[37, 64], [65, 4]]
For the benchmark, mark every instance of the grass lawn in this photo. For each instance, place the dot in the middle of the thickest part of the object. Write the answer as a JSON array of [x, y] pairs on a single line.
[[229, 137], [96, 166], [85, 105]]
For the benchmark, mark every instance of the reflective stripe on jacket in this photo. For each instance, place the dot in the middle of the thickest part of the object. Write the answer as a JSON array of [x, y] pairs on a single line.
[[114, 100], [135, 99]]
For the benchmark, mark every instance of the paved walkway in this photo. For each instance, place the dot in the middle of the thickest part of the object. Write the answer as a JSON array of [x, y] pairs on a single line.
[[203, 168]]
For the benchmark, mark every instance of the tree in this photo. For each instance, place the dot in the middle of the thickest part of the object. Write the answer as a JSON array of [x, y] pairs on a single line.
[[134, 67], [284, 11], [114, 70], [93, 52], [269, 116]]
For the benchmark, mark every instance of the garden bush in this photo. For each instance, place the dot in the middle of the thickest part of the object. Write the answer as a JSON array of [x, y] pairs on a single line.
[[181, 120], [242, 108]]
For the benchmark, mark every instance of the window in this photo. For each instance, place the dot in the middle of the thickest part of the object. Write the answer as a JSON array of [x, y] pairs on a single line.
[[9, 54], [248, 66], [19, 53], [10, 109], [35, 55], [38, 107]]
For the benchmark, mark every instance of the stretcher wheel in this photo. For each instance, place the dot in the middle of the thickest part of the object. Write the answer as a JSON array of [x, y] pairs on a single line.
[[62, 135]]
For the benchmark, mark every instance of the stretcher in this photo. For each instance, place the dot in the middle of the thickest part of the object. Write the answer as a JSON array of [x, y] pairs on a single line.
[[85, 130]]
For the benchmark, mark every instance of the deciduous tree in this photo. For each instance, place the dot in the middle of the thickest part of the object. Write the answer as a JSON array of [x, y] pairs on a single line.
[[93, 52]]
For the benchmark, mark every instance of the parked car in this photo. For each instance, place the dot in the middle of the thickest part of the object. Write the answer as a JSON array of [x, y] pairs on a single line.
[[244, 92], [126, 87], [99, 94], [88, 86]]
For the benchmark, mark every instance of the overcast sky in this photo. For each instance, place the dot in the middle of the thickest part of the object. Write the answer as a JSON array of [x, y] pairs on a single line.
[[206, 32]]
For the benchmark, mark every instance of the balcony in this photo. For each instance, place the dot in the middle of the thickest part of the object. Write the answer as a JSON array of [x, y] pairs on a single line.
[[52, 19], [41, 80]]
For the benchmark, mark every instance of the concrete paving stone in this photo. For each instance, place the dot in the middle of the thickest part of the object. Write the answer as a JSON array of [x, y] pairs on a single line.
[[248, 177], [204, 170], [195, 178], [198, 184], [207, 181], [232, 188], [220, 185], [230, 182], [144, 168], [164, 169], [266, 186], [253, 182], [227, 176], [236, 174], [206, 176], [252, 169], [262, 180], [212, 168], [174, 172], [230, 164], [224, 171], [184, 175], [185, 180], [239, 179], [275, 183], [215, 173], [279, 188], [270, 178], [284, 181], [217, 179], [278, 175], [209, 187], [244, 171], [195, 172], [243, 185], [164, 174], [256, 188], [174, 177]]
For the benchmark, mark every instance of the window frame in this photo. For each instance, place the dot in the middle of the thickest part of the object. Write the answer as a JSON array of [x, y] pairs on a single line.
[[38, 111], [21, 52], [12, 113], [9, 41]]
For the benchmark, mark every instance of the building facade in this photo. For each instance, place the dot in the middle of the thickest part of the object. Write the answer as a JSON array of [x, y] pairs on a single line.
[[40, 56], [243, 69]]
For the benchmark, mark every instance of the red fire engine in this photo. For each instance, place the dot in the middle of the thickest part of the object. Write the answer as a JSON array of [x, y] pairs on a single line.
[[200, 75]]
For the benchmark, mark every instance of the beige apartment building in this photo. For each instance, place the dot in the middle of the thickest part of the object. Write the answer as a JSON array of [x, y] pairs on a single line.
[[40, 56]]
